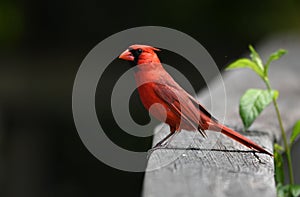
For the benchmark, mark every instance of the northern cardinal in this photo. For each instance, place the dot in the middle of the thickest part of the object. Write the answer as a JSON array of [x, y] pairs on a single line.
[[177, 108]]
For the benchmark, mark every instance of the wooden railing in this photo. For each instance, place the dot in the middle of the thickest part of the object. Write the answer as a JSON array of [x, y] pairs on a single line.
[[219, 166]]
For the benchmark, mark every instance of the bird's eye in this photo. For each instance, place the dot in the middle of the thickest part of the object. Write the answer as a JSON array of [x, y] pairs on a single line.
[[139, 51]]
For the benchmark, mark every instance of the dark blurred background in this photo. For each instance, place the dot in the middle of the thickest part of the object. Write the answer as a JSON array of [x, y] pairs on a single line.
[[42, 44]]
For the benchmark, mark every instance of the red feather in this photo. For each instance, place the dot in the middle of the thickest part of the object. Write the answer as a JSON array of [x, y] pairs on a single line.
[[177, 108]]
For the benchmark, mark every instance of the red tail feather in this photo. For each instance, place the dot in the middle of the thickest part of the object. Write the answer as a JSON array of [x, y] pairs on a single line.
[[242, 139]]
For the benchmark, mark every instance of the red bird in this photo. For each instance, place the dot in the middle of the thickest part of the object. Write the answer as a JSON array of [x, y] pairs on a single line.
[[177, 108]]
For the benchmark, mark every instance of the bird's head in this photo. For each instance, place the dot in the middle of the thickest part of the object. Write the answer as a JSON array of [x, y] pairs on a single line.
[[140, 54]]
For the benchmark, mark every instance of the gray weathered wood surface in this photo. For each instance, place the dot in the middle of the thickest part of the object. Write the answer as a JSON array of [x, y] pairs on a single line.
[[218, 166]]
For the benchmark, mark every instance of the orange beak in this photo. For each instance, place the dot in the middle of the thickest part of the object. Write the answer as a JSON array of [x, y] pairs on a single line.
[[127, 55]]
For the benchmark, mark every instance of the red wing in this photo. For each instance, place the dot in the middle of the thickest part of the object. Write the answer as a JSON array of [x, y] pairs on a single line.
[[202, 109], [174, 85], [179, 103]]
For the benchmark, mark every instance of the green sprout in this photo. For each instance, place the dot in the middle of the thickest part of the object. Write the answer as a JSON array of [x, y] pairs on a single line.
[[254, 101]]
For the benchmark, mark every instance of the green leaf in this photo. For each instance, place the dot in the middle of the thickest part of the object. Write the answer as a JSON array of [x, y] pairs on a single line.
[[255, 57], [295, 190], [253, 102], [278, 148], [278, 163], [274, 56], [282, 190], [296, 132], [246, 63]]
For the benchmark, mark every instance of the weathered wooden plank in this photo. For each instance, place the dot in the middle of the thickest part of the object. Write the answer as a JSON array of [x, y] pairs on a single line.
[[218, 166]]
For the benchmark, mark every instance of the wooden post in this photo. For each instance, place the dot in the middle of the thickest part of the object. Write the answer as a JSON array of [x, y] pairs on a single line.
[[219, 166]]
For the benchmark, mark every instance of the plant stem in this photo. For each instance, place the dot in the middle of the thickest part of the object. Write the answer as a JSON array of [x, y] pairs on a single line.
[[286, 146]]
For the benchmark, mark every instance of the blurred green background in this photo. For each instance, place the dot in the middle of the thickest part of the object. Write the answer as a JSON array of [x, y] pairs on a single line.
[[42, 44]]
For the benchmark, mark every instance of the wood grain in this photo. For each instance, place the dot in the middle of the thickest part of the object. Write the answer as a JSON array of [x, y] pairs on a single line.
[[219, 166]]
